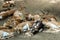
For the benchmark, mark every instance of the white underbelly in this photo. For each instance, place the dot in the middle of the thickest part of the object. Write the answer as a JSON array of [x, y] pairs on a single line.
[[53, 26]]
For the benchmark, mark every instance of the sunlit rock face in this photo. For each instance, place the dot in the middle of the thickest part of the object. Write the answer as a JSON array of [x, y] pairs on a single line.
[[41, 3], [54, 1], [50, 5], [1, 0]]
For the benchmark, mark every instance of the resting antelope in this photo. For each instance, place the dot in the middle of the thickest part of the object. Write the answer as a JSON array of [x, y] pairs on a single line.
[[51, 23], [8, 4], [6, 13]]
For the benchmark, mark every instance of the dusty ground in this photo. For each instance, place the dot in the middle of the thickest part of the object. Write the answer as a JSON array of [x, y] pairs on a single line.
[[39, 36]]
